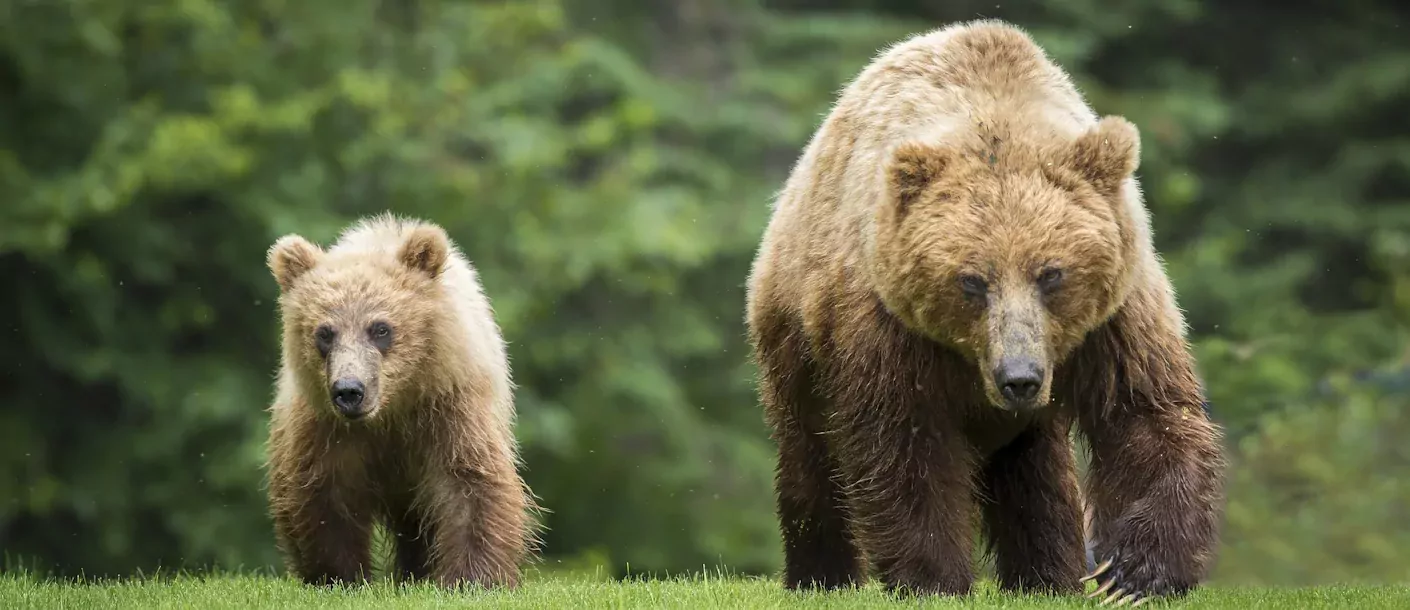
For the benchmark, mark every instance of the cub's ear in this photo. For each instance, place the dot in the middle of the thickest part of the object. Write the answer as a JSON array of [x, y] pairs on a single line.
[[290, 257], [1107, 154], [425, 249], [913, 167]]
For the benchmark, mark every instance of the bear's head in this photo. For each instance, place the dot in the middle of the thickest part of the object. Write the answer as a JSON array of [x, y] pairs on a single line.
[[1010, 254], [359, 323]]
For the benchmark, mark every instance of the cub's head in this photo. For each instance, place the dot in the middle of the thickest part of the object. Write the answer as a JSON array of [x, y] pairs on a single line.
[[1010, 256], [358, 321]]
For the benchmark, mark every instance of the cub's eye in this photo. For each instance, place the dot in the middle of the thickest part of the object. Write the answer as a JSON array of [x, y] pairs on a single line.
[[323, 338], [973, 286], [381, 335], [1050, 278]]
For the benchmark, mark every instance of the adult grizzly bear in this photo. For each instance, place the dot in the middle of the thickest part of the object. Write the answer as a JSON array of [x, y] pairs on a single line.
[[394, 404], [958, 269]]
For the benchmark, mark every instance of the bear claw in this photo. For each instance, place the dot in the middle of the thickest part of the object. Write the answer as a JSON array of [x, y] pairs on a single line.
[[1117, 588], [1119, 596], [1122, 600], [1098, 571], [1102, 589], [1115, 595]]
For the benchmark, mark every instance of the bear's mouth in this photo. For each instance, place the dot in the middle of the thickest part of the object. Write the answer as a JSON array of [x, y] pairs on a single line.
[[1003, 400], [352, 414]]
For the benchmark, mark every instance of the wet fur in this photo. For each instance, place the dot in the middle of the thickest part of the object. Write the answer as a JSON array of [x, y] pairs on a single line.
[[436, 462], [960, 142]]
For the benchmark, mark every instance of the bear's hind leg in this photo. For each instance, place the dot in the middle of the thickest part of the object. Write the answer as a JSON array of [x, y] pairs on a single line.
[[1032, 512], [818, 548]]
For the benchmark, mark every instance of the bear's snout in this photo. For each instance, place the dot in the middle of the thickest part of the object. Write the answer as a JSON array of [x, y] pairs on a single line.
[[348, 394], [1019, 381]]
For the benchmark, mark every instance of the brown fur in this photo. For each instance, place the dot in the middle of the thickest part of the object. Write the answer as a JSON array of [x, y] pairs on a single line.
[[434, 459], [962, 209]]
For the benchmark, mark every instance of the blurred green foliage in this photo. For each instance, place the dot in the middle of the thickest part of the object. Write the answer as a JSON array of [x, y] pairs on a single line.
[[608, 165]]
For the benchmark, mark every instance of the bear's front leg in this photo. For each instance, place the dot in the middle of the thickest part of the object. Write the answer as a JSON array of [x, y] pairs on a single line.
[[1156, 488], [908, 470], [323, 526], [818, 549], [1032, 512], [910, 490], [320, 498], [479, 522]]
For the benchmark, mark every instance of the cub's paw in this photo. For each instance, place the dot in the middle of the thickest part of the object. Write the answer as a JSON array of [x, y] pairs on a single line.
[[1128, 580]]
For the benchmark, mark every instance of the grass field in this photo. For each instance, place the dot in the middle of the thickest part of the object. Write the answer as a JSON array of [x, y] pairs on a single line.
[[18, 591]]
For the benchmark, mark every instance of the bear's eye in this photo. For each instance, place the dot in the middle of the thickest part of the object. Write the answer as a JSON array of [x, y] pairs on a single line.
[[381, 335], [973, 286], [323, 339], [1049, 279]]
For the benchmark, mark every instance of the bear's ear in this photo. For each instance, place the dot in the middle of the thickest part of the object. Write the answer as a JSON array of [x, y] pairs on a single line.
[[290, 257], [425, 249], [1107, 154], [914, 166]]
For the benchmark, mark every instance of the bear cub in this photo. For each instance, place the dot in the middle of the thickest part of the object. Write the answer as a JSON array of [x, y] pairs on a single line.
[[959, 271], [394, 405]]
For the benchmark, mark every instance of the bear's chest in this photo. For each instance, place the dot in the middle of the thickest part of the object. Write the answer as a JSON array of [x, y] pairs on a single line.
[[991, 429]]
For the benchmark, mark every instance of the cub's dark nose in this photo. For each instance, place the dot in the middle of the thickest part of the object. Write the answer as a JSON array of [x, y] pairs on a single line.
[[1019, 381], [347, 397]]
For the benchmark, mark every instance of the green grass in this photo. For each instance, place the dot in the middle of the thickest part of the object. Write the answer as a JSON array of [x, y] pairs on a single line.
[[704, 592]]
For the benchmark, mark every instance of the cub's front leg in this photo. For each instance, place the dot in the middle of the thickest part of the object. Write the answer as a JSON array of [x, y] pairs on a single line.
[[478, 513], [322, 506]]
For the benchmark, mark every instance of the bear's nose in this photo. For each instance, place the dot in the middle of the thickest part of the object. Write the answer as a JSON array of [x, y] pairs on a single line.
[[1019, 380], [347, 397]]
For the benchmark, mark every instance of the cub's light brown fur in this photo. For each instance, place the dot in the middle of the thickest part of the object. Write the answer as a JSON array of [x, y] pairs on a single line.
[[432, 455], [962, 214]]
